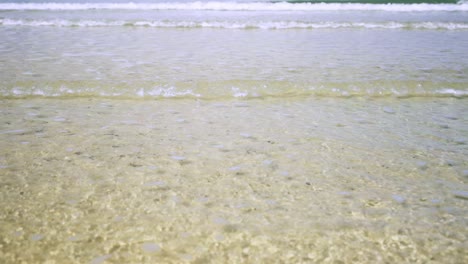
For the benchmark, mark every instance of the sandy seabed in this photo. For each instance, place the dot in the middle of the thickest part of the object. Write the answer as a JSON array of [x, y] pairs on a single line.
[[256, 181]]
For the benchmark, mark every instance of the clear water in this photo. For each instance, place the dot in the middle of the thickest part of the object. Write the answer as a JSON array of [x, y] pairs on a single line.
[[217, 50], [233, 133]]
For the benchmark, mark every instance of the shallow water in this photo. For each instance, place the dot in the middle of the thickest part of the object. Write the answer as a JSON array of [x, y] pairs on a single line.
[[233, 132], [350, 180], [119, 52]]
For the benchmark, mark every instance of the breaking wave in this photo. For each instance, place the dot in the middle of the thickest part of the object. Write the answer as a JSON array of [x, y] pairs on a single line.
[[238, 25], [238, 6]]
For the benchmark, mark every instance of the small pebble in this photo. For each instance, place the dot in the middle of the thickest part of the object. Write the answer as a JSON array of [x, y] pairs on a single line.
[[241, 105], [100, 259], [186, 257], [219, 237], [346, 194], [72, 202], [422, 165], [465, 173], [451, 117], [450, 163], [219, 105], [461, 194], [74, 238], [184, 234], [398, 198], [178, 157], [18, 131], [155, 183], [388, 110], [220, 221], [235, 168], [59, 119], [203, 199], [246, 135], [150, 247], [37, 237]]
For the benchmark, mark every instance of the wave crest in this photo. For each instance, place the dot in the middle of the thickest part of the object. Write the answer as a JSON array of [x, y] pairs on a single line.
[[238, 6], [238, 25]]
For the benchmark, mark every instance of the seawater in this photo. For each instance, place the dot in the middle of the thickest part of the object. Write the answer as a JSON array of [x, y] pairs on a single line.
[[233, 132]]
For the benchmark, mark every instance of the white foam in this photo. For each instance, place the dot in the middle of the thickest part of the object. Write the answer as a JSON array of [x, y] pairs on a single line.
[[452, 92], [268, 25], [60, 23], [238, 6], [238, 93], [166, 92], [250, 91]]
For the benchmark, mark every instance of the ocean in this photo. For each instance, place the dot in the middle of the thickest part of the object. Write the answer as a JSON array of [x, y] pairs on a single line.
[[233, 131]]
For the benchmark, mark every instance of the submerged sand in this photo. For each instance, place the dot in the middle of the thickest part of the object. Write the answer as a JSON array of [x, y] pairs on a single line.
[[254, 181]]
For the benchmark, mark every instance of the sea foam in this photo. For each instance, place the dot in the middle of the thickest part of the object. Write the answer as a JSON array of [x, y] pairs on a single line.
[[237, 25], [238, 6]]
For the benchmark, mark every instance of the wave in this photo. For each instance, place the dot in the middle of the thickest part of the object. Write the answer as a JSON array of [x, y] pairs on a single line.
[[238, 6], [236, 89], [238, 25]]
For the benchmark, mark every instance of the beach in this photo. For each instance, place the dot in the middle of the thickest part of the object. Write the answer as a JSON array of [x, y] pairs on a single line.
[[233, 133]]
